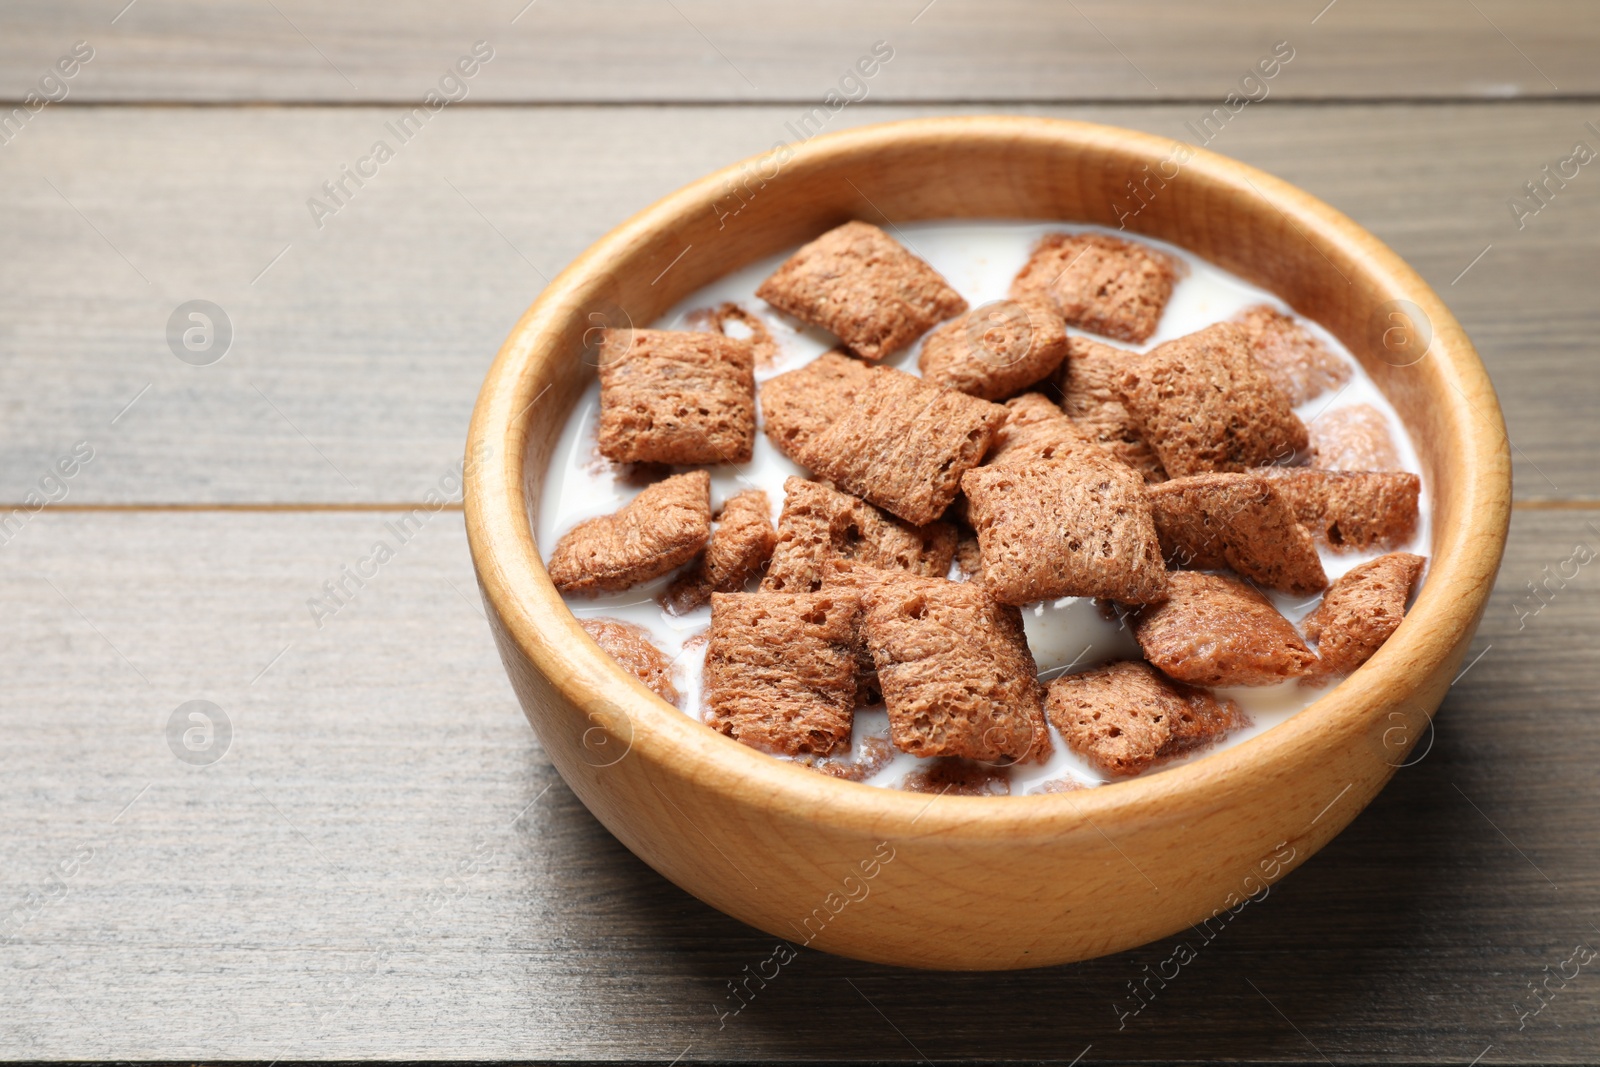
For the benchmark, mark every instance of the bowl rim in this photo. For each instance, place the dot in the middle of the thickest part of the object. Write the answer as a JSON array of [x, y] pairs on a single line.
[[512, 577]]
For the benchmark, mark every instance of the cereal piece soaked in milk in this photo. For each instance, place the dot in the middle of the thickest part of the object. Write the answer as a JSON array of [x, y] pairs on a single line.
[[889, 437], [668, 396], [876, 754], [1354, 438], [1351, 510], [1052, 528], [1100, 283], [1213, 630], [798, 405], [1360, 611], [959, 778], [859, 284], [957, 676], [1036, 429], [741, 543], [1089, 397], [1204, 404], [630, 645], [660, 529], [1296, 361], [819, 524], [1239, 521], [995, 350], [1125, 718], [781, 670]]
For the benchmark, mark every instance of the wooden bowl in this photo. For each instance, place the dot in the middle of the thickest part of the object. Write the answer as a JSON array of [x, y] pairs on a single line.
[[968, 882]]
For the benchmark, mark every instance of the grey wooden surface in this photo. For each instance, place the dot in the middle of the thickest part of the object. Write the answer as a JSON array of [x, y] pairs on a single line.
[[383, 863], [689, 50]]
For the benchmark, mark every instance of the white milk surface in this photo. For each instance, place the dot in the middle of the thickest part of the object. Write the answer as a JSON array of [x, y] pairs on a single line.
[[978, 259]]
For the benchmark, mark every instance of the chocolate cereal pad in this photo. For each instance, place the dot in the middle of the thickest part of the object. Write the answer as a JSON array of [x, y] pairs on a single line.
[[1202, 403], [886, 436], [656, 532], [955, 669], [781, 670], [1238, 521], [668, 396], [1361, 610], [1216, 630], [992, 351], [1100, 283], [1127, 717], [859, 284], [1052, 528]]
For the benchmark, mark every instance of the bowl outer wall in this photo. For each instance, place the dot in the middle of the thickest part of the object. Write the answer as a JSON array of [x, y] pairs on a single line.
[[976, 882]]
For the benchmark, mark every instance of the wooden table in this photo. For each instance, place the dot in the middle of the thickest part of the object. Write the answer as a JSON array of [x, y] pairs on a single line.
[[383, 864]]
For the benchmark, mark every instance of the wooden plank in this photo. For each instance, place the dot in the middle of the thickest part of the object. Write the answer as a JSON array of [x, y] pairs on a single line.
[[384, 865], [358, 347], [697, 50]]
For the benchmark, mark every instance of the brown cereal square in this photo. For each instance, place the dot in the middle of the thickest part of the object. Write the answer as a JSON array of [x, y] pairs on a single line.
[[1036, 429], [799, 404], [819, 524], [1297, 362], [1361, 610], [956, 673], [780, 669], [873, 755], [1213, 630], [631, 646], [858, 283], [1351, 510], [1125, 718], [1239, 521], [667, 396], [661, 528], [992, 351], [1054, 528], [740, 546], [1089, 397], [1204, 404], [953, 777], [1354, 438], [901, 444], [1100, 283]]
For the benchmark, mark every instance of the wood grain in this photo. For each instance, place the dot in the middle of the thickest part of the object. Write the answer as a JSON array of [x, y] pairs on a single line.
[[699, 50], [233, 906], [357, 355]]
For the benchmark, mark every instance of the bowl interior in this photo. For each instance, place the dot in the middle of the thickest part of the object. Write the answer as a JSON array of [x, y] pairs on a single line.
[[1243, 220]]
